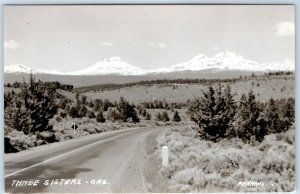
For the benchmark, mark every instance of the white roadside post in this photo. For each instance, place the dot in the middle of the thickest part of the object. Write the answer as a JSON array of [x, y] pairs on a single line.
[[165, 156], [74, 127]]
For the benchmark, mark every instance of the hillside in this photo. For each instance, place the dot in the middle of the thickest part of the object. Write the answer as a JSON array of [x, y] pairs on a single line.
[[277, 87]]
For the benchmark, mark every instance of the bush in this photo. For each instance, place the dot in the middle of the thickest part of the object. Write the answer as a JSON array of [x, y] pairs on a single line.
[[142, 110], [112, 115], [162, 116], [148, 116], [91, 114], [100, 118]]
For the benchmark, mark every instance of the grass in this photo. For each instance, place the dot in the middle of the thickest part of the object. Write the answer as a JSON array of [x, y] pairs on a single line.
[[203, 166], [263, 89]]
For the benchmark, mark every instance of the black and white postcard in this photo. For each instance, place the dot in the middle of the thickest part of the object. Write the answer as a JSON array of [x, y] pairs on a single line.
[[149, 98]]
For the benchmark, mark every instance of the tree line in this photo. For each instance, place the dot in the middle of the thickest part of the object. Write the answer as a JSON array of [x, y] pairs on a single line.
[[171, 82]]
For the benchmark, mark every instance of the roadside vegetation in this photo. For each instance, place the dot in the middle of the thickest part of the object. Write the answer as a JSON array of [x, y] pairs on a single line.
[[198, 165], [232, 141], [38, 113]]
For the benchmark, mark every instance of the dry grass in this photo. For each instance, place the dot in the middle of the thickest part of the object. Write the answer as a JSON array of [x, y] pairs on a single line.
[[264, 89], [203, 166]]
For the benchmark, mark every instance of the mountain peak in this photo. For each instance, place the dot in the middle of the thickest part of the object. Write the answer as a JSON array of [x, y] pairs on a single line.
[[112, 65], [17, 68], [115, 65]]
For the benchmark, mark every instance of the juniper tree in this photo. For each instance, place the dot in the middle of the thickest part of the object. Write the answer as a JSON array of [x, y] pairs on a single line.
[[165, 116], [213, 112], [249, 120], [100, 118], [83, 111], [97, 104], [176, 117], [126, 111], [37, 106], [158, 116], [148, 116], [275, 124], [91, 114]]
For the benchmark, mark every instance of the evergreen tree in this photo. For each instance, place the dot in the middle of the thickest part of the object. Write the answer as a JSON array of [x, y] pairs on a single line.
[[165, 116], [37, 107], [97, 104], [82, 111], [100, 118], [73, 112], [148, 116], [126, 111], [249, 121], [273, 119], [83, 100], [158, 116], [91, 114], [176, 117], [213, 112]]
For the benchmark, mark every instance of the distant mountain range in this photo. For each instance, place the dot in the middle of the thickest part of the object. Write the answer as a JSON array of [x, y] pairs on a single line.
[[225, 61]]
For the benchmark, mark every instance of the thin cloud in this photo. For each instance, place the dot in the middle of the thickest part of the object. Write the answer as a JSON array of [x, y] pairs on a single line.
[[215, 48], [284, 29], [161, 45], [11, 44], [134, 44], [173, 43], [106, 44]]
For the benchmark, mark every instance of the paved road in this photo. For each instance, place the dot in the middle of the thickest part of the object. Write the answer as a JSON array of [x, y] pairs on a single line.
[[118, 161]]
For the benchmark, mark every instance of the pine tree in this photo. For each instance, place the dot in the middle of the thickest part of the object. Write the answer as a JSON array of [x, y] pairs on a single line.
[[176, 117]]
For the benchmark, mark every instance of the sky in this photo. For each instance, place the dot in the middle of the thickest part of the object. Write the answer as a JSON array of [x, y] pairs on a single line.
[[68, 38]]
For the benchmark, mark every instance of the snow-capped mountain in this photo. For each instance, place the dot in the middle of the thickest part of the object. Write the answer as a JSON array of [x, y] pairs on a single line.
[[113, 65], [20, 68], [225, 61], [17, 68]]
